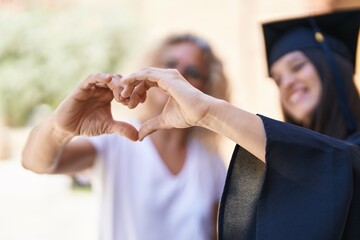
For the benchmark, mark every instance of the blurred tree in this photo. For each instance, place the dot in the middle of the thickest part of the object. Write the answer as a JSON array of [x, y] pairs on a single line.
[[45, 52]]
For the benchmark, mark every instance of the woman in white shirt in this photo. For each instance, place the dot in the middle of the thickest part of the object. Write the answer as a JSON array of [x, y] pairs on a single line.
[[165, 187]]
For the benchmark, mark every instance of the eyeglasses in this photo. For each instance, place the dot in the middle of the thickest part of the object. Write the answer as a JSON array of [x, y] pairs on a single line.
[[190, 72]]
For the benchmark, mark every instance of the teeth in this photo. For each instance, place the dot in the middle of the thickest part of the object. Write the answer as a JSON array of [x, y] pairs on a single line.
[[295, 97]]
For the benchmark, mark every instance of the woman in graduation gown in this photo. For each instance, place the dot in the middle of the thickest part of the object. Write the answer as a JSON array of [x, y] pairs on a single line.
[[312, 61], [284, 181]]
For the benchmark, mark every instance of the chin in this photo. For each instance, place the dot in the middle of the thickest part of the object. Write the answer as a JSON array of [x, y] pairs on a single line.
[[302, 119]]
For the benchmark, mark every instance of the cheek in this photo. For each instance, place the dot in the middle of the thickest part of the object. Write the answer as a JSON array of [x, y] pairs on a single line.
[[316, 88], [282, 95], [317, 95], [285, 105]]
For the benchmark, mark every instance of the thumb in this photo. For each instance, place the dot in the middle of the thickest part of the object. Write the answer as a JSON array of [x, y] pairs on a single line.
[[125, 129], [151, 126]]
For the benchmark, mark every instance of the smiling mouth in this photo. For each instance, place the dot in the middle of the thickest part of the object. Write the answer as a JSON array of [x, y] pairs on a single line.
[[296, 96]]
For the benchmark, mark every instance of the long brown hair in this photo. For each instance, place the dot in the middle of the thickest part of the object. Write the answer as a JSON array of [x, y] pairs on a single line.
[[328, 118]]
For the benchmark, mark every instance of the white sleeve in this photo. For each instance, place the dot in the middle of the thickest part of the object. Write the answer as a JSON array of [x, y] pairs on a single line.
[[101, 144]]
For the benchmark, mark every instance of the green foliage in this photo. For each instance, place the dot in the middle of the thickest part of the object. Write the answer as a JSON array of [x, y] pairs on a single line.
[[44, 53]]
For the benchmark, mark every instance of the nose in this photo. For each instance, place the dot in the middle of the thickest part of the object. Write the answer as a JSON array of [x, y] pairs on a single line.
[[287, 81]]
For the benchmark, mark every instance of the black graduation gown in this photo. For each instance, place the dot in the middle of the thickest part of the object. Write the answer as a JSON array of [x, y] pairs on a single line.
[[308, 189]]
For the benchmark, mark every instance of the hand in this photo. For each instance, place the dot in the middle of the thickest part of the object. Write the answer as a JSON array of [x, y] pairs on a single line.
[[87, 111], [186, 106]]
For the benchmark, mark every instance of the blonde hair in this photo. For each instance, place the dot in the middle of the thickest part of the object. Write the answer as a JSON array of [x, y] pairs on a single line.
[[217, 82]]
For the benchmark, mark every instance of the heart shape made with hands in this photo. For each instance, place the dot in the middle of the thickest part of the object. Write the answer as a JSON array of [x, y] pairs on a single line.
[[178, 112], [136, 93], [90, 112], [131, 102]]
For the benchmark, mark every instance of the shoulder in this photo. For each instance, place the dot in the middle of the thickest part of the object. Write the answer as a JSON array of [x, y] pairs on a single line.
[[196, 146], [207, 158]]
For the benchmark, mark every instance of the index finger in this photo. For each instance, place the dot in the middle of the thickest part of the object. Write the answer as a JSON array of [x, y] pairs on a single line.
[[163, 78], [100, 79], [148, 77]]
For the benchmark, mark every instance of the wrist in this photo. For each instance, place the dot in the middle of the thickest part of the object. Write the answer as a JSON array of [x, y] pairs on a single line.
[[212, 118], [59, 134]]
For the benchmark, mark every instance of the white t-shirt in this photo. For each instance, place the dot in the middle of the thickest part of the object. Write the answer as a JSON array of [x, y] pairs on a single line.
[[142, 199]]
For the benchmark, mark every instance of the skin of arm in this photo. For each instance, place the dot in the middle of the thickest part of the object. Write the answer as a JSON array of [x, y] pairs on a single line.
[[49, 150], [215, 221], [242, 127], [86, 111], [188, 107]]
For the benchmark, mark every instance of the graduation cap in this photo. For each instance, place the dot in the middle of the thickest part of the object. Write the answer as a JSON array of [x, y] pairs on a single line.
[[339, 30], [335, 32]]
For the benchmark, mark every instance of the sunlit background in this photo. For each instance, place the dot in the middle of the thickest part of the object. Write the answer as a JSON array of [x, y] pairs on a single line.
[[48, 46]]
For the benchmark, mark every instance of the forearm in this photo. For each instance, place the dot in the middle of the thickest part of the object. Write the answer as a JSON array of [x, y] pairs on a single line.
[[244, 128], [44, 147]]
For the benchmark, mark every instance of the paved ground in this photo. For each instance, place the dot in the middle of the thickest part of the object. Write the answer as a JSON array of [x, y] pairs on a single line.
[[42, 207]]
